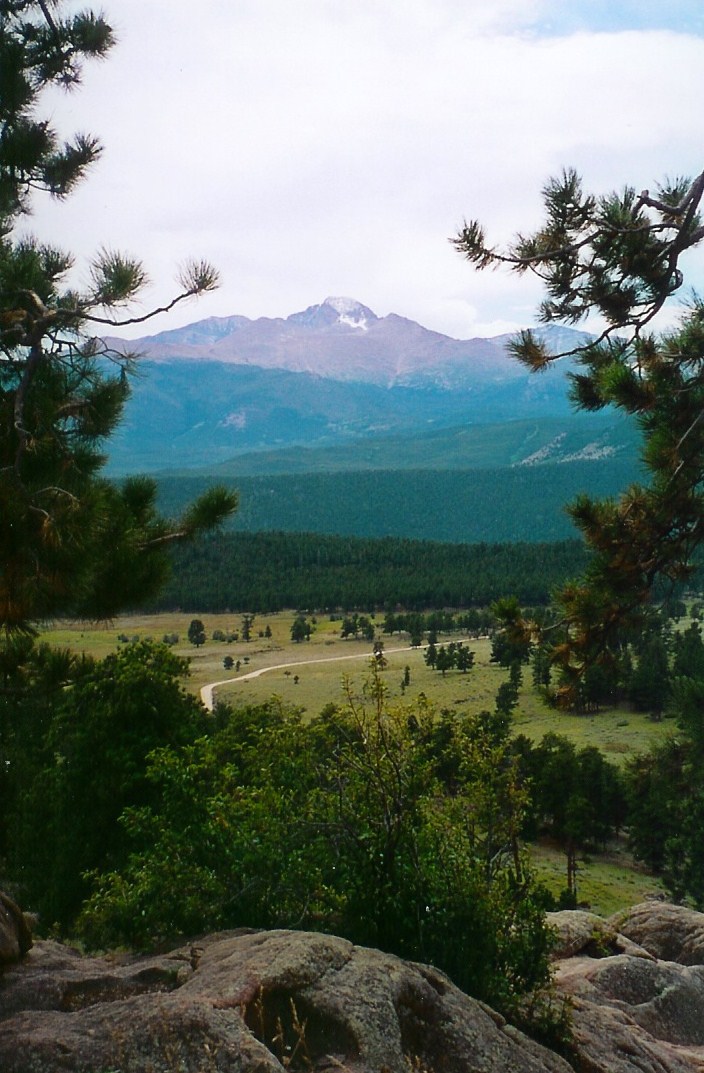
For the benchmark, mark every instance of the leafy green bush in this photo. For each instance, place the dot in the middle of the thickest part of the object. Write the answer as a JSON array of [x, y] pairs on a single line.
[[344, 823], [82, 763]]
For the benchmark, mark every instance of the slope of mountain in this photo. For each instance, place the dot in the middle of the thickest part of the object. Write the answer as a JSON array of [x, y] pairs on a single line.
[[331, 374], [341, 339], [531, 442], [194, 413], [518, 503]]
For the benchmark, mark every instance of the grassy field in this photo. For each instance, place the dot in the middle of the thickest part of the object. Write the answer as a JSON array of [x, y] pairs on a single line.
[[607, 882], [313, 673]]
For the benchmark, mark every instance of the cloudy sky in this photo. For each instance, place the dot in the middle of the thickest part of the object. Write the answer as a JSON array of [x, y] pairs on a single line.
[[330, 147]]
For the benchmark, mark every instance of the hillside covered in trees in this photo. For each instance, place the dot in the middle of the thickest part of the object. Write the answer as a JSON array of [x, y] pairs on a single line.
[[510, 504], [273, 571]]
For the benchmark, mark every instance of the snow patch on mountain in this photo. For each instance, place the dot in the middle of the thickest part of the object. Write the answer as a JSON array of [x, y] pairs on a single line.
[[350, 312], [353, 322], [343, 306]]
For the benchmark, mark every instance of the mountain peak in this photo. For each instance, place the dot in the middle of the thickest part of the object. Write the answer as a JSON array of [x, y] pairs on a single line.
[[335, 310], [347, 307]]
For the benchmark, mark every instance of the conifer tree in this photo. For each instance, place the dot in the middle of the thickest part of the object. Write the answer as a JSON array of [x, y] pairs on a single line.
[[70, 541], [618, 256]]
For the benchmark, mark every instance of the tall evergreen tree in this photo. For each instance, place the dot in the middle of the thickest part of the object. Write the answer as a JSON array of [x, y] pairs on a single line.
[[688, 661], [649, 686], [618, 256], [69, 540]]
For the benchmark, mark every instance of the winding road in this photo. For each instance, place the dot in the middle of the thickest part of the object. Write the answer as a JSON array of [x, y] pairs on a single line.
[[206, 693]]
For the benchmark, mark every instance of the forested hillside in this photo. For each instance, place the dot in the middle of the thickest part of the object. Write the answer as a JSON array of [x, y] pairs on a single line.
[[524, 503], [483, 445], [272, 571]]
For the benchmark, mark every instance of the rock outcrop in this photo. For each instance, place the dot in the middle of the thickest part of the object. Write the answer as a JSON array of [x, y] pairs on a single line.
[[253, 1002], [580, 932], [669, 932], [15, 936], [636, 983], [262, 1002]]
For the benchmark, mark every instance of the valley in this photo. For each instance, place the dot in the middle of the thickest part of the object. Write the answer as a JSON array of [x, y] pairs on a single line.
[[608, 880], [334, 420], [620, 733]]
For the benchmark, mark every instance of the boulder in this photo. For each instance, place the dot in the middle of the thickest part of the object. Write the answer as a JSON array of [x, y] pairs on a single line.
[[251, 1001], [15, 936], [261, 1002], [579, 932], [634, 1010], [669, 932]]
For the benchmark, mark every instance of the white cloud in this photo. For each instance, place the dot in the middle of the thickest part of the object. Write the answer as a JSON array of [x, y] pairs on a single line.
[[324, 147]]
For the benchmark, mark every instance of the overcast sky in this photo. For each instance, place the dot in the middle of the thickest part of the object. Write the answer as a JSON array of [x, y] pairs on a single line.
[[330, 147]]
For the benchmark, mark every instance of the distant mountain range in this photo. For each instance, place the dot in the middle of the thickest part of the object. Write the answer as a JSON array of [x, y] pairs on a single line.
[[335, 374], [335, 420], [343, 340]]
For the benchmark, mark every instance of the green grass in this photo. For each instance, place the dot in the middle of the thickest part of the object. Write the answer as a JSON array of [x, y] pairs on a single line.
[[617, 732], [606, 882]]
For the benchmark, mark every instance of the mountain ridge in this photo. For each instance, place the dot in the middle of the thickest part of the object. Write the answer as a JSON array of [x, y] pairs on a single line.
[[333, 377], [342, 339]]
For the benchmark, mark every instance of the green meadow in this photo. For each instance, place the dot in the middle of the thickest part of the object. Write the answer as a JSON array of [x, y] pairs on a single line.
[[311, 674]]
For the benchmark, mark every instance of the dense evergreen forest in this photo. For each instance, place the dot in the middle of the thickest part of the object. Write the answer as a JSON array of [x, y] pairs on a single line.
[[272, 571], [521, 503]]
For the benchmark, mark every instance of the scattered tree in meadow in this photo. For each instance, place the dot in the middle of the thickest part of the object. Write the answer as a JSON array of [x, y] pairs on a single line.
[[196, 633], [464, 658], [649, 684], [688, 657], [378, 654], [354, 625], [300, 629]]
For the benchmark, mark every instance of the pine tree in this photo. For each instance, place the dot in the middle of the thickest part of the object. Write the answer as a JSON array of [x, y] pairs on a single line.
[[70, 541], [618, 256], [196, 633]]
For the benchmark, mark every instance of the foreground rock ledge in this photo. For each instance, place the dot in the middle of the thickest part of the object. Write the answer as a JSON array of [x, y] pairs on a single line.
[[251, 1001], [636, 984], [255, 1002]]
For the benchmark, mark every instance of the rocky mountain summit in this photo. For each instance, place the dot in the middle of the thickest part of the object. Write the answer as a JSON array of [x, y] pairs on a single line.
[[251, 1001], [342, 339], [330, 375]]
